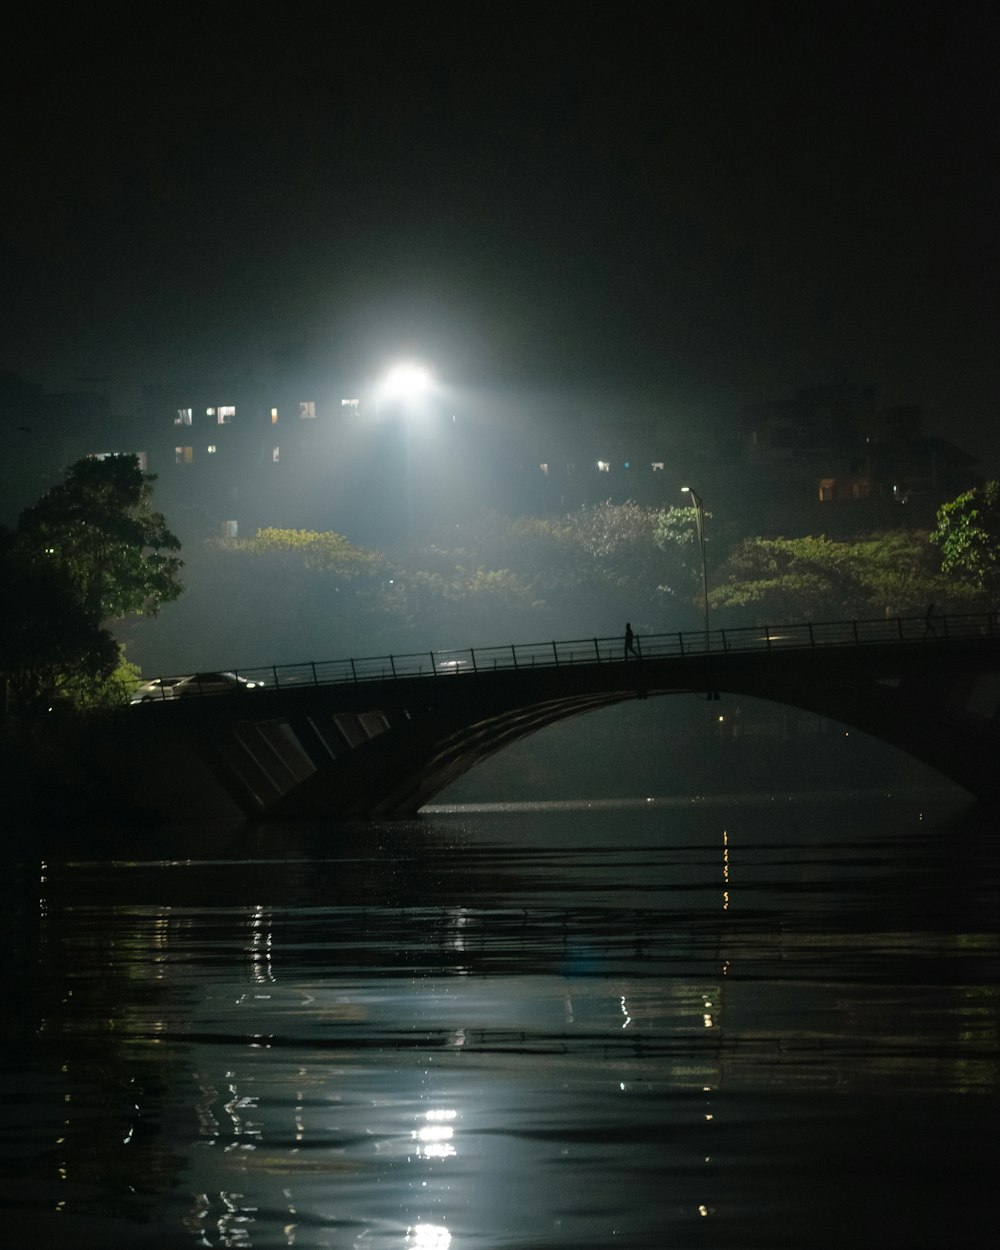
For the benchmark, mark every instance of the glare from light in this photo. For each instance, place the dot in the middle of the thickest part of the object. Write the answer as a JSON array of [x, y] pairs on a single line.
[[434, 1139], [406, 380], [427, 1237]]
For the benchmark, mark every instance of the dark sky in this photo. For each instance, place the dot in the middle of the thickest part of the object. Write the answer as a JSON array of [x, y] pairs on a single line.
[[699, 205]]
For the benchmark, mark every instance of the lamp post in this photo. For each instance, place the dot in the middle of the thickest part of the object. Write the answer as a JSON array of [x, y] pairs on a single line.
[[699, 522]]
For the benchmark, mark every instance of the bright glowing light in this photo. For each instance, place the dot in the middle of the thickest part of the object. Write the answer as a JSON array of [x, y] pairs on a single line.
[[427, 1237], [405, 381]]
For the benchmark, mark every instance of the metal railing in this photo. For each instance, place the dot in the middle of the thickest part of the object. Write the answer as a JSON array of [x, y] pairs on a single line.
[[883, 631]]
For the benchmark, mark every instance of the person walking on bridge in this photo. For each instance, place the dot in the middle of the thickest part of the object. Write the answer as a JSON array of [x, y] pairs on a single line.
[[630, 642], [929, 627]]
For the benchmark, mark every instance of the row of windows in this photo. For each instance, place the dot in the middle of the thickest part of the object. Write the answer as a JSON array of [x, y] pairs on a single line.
[[185, 455], [225, 413], [605, 466]]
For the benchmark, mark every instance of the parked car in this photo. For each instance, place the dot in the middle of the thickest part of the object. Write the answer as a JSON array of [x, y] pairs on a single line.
[[156, 690], [194, 684], [214, 683]]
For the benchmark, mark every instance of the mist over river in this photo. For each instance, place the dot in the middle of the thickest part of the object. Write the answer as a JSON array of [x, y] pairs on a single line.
[[751, 1021]]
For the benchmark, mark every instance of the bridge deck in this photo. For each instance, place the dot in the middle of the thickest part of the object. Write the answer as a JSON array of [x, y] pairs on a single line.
[[812, 636]]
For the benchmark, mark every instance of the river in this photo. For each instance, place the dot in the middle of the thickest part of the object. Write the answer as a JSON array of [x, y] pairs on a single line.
[[756, 1021]]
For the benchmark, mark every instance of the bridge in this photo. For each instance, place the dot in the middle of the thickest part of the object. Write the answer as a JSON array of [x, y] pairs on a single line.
[[381, 736]]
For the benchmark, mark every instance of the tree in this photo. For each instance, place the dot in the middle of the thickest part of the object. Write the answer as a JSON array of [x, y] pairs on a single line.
[[99, 527], [676, 535], [819, 578], [45, 632], [582, 572], [92, 549], [99, 690], [968, 534]]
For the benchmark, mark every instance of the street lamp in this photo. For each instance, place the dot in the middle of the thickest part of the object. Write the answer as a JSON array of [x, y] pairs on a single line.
[[699, 521]]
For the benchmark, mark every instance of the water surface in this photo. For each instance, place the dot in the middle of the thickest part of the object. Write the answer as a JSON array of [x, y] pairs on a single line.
[[725, 1024]]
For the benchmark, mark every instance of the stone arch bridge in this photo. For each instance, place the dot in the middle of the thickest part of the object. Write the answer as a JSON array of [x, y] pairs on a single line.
[[382, 736]]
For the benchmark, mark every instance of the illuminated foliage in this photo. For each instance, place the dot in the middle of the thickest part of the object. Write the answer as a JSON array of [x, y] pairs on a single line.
[[324, 551], [968, 534], [817, 578], [101, 690], [575, 573]]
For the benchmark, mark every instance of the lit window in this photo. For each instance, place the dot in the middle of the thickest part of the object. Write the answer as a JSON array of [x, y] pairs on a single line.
[[274, 416], [350, 403], [212, 449], [183, 416], [307, 409], [183, 455], [603, 466], [229, 529], [545, 469], [209, 412], [276, 454], [657, 466], [226, 414]]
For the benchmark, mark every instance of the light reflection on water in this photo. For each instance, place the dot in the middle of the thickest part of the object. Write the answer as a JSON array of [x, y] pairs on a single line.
[[716, 1025]]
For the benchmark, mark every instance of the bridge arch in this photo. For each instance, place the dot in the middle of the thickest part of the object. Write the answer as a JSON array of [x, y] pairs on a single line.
[[386, 744]]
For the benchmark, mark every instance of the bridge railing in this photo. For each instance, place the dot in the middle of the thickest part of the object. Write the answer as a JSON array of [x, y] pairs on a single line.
[[929, 629]]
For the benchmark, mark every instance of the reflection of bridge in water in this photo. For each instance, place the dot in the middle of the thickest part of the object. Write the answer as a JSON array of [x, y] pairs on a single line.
[[382, 736]]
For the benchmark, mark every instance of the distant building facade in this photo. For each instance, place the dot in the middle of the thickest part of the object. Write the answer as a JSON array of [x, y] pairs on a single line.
[[235, 455], [837, 445]]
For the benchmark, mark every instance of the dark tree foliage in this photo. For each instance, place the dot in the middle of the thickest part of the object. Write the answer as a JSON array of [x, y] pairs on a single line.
[[45, 631], [92, 549], [99, 527]]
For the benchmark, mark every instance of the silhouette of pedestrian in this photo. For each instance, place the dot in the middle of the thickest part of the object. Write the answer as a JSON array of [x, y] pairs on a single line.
[[929, 626], [629, 642]]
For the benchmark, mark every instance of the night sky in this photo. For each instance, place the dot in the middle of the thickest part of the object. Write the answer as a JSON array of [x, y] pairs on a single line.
[[687, 208]]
